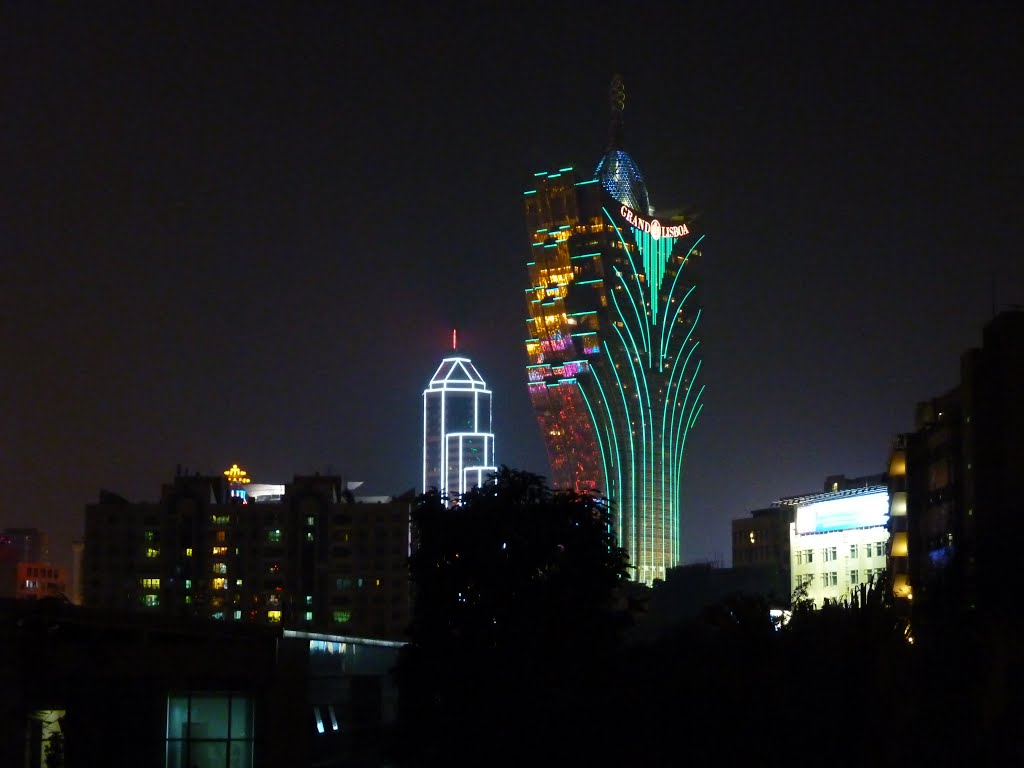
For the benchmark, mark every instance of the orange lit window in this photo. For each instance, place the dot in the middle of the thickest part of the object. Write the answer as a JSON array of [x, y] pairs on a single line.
[[219, 583], [219, 550], [222, 536]]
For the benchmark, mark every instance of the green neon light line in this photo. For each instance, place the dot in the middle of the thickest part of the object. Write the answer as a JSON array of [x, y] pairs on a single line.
[[641, 396], [581, 183], [597, 430], [678, 459], [672, 290], [688, 426], [625, 323], [584, 333], [554, 175], [565, 170], [580, 314], [694, 419], [632, 266], [632, 454], [531, 263], [541, 173], [540, 231], [590, 282], [585, 256], [655, 254], [670, 396], [530, 192], [682, 303], [617, 459], [551, 245]]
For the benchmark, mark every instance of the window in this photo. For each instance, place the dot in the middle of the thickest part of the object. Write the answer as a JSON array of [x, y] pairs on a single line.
[[237, 615], [221, 536], [188, 552], [188, 583], [219, 550], [238, 582], [152, 552], [799, 557], [151, 601], [809, 556], [150, 535], [853, 551], [309, 535], [833, 579], [219, 583], [310, 520], [343, 584], [828, 554], [309, 599], [879, 548], [220, 567], [342, 617], [274, 617], [309, 615], [213, 729], [853, 577], [150, 583], [274, 534]]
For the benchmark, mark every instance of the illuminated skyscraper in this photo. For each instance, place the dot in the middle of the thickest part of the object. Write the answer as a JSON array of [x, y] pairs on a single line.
[[612, 342], [458, 445]]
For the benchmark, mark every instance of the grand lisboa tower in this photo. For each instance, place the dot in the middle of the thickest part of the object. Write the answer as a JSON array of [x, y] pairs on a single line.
[[613, 340]]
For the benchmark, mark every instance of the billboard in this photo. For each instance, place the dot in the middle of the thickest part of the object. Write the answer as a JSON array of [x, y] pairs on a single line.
[[865, 510]]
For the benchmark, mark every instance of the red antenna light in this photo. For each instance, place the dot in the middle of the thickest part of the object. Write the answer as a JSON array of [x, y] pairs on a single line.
[[454, 332]]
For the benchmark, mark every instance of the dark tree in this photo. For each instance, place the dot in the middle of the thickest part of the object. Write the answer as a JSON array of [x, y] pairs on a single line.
[[516, 622]]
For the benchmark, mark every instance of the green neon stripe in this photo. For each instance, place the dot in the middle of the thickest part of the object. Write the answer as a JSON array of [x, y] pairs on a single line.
[[530, 192], [613, 441], [664, 343], [581, 183], [632, 456], [632, 266], [597, 431], [590, 282], [643, 438]]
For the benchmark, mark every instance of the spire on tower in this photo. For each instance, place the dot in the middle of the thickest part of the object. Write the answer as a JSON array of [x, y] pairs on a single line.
[[617, 104]]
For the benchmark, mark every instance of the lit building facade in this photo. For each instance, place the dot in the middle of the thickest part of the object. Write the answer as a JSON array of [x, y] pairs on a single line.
[[315, 560], [955, 482], [839, 539], [458, 443], [612, 341]]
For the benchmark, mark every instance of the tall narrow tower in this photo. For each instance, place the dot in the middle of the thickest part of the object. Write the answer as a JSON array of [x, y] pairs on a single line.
[[458, 444], [612, 340]]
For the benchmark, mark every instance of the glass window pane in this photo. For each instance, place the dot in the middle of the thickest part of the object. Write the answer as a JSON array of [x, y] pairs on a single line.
[[209, 754], [241, 717], [177, 717], [209, 716], [241, 754], [176, 754]]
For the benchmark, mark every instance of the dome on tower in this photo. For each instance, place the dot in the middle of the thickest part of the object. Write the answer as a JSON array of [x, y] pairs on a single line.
[[621, 177]]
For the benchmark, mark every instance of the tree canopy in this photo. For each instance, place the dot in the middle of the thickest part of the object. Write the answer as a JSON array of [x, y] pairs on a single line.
[[516, 616]]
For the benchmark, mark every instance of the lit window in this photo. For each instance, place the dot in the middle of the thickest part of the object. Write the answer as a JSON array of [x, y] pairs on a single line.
[[309, 615], [309, 535], [209, 729], [219, 583], [274, 617], [150, 583], [752, 537], [342, 617], [274, 534], [150, 535], [309, 599], [310, 520], [219, 550], [188, 599], [221, 536], [238, 582], [220, 567], [152, 552], [151, 601], [188, 552], [237, 615]]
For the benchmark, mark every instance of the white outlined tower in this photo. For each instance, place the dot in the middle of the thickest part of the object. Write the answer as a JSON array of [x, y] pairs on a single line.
[[458, 444]]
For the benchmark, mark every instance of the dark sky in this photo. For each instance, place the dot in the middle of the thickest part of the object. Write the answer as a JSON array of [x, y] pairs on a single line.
[[241, 232]]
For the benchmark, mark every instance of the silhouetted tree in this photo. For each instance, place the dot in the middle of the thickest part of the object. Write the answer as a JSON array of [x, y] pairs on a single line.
[[515, 624]]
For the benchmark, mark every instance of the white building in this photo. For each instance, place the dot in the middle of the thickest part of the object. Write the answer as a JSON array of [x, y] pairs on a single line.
[[458, 444], [838, 541]]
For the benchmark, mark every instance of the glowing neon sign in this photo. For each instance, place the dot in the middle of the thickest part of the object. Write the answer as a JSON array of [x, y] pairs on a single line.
[[652, 227]]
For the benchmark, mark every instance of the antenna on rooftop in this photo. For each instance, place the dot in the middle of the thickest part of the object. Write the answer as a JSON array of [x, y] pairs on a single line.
[[454, 340]]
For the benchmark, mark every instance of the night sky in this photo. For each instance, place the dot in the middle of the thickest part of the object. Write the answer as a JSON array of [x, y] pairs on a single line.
[[242, 232]]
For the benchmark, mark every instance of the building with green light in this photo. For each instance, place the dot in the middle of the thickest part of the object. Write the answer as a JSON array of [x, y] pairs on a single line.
[[613, 344]]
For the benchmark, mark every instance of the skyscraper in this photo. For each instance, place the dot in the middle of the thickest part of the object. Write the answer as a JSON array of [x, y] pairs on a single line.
[[458, 444], [612, 341]]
